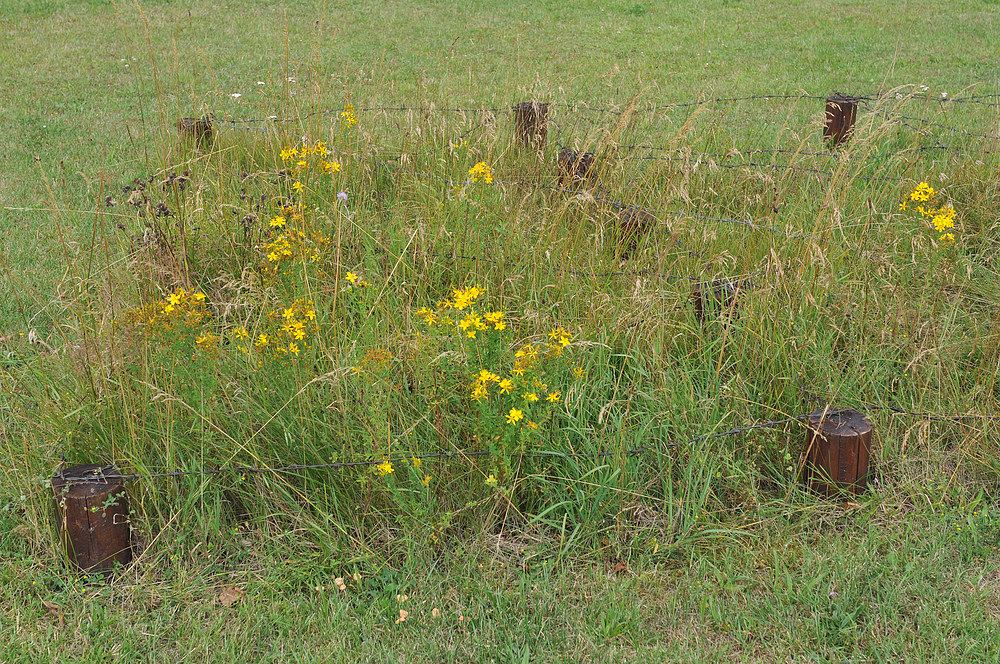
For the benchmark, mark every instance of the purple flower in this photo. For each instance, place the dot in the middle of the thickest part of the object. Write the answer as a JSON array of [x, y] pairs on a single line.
[[342, 195]]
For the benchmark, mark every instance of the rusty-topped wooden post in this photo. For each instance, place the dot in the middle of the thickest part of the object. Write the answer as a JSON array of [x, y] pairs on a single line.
[[841, 111], [531, 123], [92, 515], [838, 451]]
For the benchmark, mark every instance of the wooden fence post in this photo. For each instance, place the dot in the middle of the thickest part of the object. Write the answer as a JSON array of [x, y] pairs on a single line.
[[92, 514], [633, 224], [718, 294], [838, 450], [841, 111], [199, 129], [576, 166], [531, 123]]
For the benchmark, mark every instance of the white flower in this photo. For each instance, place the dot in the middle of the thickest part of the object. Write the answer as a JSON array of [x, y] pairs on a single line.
[[260, 82], [236, 95]]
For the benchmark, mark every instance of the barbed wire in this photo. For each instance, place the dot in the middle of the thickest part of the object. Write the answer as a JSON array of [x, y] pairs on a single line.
[[618, 204], [492, 108], [99, 475]]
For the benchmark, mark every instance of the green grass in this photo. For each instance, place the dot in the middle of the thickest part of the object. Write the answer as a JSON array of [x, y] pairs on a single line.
[[728, 557]]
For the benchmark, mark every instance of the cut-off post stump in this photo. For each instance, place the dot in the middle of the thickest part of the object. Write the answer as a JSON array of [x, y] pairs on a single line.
[[718, 295], [576, 167], [841, 111], [838, 451], [197, 129], [633, 224], [531, 123], [92, 516]]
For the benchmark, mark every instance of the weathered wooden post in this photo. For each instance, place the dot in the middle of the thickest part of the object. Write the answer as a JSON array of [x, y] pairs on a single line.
[[838, 450], [716, 295], [531, 123], [92, 514], [575, 166], [633, 223], [841, 111], [199, 129]]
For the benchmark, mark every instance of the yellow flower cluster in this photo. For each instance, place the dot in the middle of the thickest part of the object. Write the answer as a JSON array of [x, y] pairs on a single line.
[[300, 156], [289, 330], [348, 117], [470, 321], [178, 308], [942, 216], [923, 192], [481, 171], [295, 240], [180, 311], [356, 280], [527, 361], [207, 341]]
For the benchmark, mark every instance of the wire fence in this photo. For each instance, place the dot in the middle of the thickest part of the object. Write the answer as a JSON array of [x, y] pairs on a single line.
[[492, 108], [99, 474], [600, 196]]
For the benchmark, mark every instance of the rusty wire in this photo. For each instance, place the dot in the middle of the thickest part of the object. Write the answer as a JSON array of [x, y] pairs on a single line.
[[98, 475]]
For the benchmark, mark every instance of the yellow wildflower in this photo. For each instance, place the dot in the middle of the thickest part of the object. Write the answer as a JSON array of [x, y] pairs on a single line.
[[514, 416]]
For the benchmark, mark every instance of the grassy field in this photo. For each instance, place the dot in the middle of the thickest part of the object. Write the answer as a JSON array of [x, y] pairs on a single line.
[[332, 279]]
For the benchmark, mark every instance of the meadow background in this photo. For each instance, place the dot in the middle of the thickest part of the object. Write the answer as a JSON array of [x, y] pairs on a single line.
[[698, 549]]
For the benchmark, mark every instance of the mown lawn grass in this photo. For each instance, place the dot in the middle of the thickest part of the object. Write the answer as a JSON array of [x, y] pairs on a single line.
[[727, 557]]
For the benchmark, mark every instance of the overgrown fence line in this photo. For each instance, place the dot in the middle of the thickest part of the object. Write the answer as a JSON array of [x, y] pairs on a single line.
[[983, 100], [536, 454]]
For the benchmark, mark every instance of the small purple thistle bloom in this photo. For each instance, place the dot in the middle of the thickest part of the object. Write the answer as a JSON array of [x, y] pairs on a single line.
[[342, 196]]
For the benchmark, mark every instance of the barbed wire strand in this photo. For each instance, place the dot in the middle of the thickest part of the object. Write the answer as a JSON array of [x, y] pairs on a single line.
[[99, 475]]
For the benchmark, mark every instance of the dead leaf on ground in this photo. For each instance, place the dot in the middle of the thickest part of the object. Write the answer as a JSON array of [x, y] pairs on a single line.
[[619, 568], [54, 610], [230, 596]]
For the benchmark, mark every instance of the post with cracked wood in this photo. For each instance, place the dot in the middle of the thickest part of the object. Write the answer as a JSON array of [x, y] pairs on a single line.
[[838, 451], [92, 516], [841, 111], [531, 123]]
